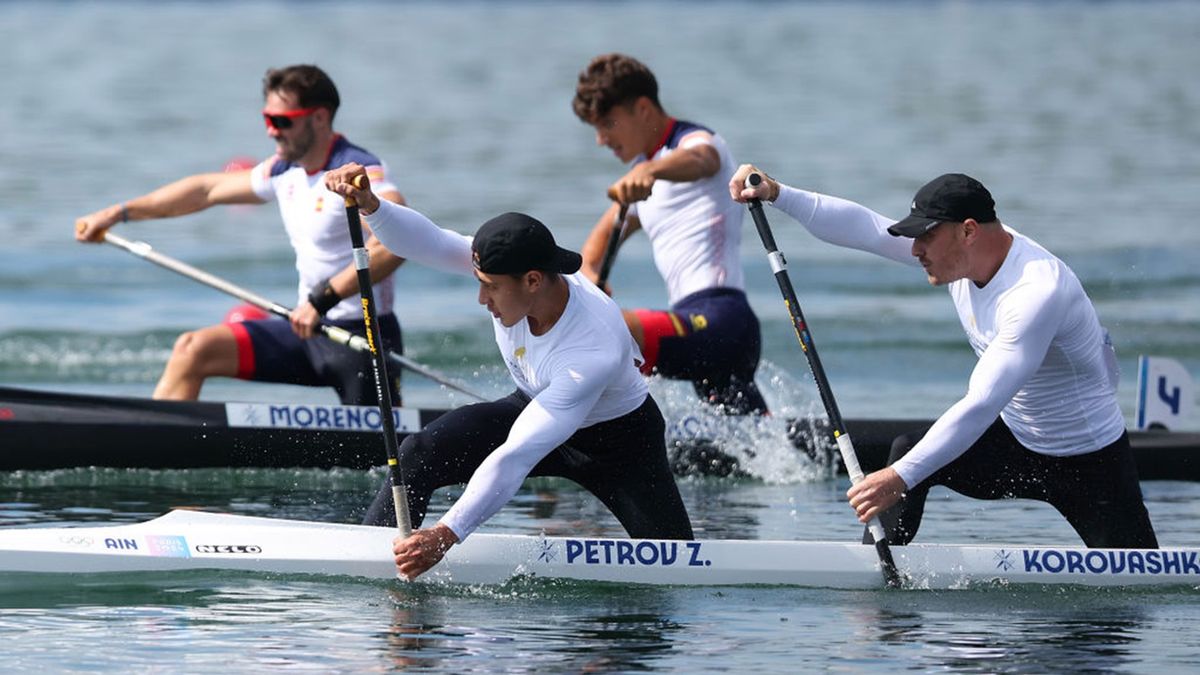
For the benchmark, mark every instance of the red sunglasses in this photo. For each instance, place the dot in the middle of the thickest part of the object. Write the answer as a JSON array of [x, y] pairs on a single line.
[[283, 120]]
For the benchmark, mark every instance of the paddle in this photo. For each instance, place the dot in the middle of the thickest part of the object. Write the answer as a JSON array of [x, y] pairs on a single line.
[[614, 242], [362, 262], [779, 265], [339, 335]]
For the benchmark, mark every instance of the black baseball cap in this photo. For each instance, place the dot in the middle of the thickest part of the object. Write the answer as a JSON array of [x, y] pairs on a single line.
[[514, 243], [951, 197]]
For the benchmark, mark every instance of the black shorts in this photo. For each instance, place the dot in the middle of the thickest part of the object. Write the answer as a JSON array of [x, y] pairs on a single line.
[[1098, 492], [623, 462], [270, 351]]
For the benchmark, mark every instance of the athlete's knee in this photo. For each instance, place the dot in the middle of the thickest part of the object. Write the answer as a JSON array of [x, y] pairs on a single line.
[[189, 350], [198, 345], [205, 352], [413, 452], [184, 343], [902, 444]]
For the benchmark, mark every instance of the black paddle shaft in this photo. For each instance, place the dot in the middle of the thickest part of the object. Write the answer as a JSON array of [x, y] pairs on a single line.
[[614, 242], [362, 263], [779, 266]]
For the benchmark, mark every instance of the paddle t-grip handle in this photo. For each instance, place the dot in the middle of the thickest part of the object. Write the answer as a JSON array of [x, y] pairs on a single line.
[[360, 183]]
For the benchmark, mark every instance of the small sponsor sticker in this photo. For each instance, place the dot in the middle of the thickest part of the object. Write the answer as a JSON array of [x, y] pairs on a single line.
[[250, 549], [168, 546]]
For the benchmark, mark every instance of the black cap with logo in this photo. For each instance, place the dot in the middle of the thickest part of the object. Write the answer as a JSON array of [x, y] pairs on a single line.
[[952, 197], [514, 243]]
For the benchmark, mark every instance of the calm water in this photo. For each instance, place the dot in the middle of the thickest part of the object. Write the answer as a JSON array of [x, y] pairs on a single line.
[[1083, 119]]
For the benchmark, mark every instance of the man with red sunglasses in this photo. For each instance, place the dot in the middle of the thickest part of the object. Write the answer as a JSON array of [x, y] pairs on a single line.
[[301, 102]]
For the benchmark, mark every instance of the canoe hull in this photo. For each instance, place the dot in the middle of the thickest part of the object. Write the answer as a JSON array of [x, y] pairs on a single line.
[[192, 540], [73, 430]]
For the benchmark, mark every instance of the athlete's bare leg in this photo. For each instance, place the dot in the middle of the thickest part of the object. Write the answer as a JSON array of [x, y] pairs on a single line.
[[199, 354]]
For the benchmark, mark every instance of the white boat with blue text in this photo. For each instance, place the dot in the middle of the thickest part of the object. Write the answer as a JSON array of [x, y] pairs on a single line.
[[195, 540]]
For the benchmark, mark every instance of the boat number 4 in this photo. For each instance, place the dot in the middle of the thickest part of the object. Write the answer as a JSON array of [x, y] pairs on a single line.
[[1165, 397]]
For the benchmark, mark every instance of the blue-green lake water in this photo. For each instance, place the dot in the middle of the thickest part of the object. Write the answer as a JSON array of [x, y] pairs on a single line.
[[1082, 118]]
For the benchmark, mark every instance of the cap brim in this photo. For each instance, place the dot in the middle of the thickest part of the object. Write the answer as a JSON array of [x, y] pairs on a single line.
[[913, 226], [568, 262]]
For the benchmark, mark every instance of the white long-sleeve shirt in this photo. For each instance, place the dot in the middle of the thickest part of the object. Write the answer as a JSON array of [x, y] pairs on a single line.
[[581, 372], [1046, 365]]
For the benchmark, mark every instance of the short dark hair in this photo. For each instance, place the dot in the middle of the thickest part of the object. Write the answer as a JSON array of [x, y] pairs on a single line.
[[309, 84], [610, 80]]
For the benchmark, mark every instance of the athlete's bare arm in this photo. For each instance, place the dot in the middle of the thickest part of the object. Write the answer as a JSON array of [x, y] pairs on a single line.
[[184, 196]]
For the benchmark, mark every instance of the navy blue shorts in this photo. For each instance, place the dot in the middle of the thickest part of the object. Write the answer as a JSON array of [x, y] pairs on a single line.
[[711, 338], [269, 351]]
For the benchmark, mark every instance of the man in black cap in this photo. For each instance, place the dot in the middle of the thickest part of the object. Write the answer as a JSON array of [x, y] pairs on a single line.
[[1040, 418], [581, 409]]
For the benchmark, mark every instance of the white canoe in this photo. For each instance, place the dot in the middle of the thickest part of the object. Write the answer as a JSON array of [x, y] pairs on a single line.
[[194, 540]]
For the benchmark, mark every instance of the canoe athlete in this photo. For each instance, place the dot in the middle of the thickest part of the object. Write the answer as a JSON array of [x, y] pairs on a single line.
[[301, 102], [1040, 418], [675, 191], [581, 409]]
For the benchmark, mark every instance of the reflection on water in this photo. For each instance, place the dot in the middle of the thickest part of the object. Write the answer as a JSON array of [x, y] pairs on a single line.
[[1018, 632], [560, 626], [601, 628], [557, 626]]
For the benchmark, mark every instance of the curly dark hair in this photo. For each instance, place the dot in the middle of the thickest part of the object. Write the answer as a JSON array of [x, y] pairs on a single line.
[[309, 84], [610, 80]]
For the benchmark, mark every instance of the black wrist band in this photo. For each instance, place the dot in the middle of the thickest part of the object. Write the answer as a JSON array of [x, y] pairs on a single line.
[[323, 298]]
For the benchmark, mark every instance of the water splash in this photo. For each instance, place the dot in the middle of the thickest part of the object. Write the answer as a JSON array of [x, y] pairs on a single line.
[[774, 449]]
